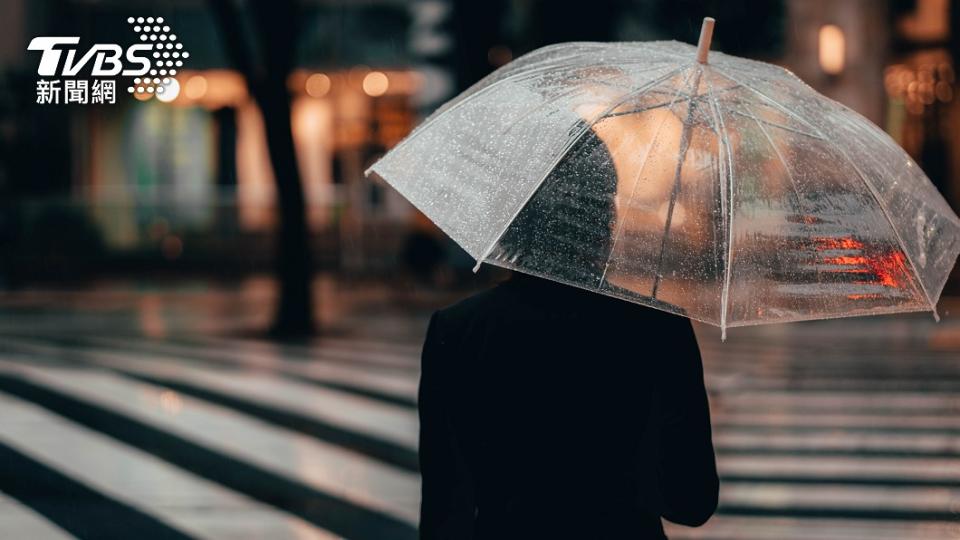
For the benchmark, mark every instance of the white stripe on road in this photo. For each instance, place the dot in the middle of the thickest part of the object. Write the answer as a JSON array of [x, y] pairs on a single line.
[[773, 419], [734, 382], [944, 469], [834, 401], [403, 355], [324, 466], [835, 497], [189, 503], [400, 384], [389, 422], [764, 528], [262, 350], [18, 521], [838, 440], [345, 410]]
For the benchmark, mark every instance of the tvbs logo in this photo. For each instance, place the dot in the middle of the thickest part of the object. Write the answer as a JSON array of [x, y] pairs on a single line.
[[153, 63], [106, 58]]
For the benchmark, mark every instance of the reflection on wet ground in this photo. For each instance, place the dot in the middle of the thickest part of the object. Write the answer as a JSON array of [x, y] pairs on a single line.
[[158, 410]]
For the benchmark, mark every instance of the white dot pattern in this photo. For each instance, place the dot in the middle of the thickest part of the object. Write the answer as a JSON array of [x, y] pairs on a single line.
[[153, 32]]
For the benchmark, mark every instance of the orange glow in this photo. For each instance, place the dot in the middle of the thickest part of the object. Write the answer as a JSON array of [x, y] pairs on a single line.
[[332, 84], [313, 125], [170, 401], [833, 49], [629, 139], [255, 181], [196, 87], [846, 260], [827, 243], [317, 85], [211, 89], [872, 296], [929, 21], [888, 267], [355, 75], [376, 83]]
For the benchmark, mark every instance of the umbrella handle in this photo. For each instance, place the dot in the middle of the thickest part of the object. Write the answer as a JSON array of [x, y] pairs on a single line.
[[706, 36]]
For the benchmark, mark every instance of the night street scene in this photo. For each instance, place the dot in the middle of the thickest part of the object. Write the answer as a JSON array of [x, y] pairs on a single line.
[[501, 269]]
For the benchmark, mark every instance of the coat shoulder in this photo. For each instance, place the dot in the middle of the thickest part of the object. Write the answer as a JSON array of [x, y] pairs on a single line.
[[483, 304]]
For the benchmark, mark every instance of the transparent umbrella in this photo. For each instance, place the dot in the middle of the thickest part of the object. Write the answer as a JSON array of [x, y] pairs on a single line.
[[722, 189]]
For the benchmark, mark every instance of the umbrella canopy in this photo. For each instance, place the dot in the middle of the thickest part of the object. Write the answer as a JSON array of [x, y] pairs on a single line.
[[725, 190]]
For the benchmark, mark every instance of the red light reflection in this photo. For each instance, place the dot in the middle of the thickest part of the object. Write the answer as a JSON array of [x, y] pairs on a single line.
[[825, 243], [888, 268]]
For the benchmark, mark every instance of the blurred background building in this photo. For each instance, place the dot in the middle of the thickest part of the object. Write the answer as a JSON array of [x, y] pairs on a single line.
[[184, 185]]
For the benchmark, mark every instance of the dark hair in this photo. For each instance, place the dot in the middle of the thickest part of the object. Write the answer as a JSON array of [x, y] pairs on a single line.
[[564, 230]]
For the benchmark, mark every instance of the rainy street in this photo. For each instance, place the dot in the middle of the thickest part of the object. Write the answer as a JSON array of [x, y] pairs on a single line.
[[152, 407], [462, 270]]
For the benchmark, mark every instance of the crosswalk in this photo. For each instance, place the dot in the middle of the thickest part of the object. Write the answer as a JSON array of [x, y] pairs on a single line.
[[835, 431], [131, 476]]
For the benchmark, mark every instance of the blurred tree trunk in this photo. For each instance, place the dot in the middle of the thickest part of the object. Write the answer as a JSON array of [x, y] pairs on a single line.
[[266, 70]]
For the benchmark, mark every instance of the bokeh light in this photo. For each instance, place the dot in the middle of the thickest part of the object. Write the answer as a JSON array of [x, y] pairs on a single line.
[[317, 85], [376, 83]]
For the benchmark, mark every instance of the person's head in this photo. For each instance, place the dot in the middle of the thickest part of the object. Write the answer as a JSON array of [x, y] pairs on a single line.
[[564, 230]]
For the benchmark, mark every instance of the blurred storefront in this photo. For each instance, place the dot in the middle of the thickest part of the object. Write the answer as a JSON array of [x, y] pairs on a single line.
[[185, 180], [196, 162]]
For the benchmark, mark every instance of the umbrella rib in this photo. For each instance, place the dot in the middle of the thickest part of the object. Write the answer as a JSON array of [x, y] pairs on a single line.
[[583, 131], [633, 190], [693, 99], [640, 110], [779, 126], [682, 154], [773, 102], [722, 214], [724, 148], [776, 150]]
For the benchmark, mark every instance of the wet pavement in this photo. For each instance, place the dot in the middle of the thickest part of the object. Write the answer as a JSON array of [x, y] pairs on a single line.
[[157, 410]]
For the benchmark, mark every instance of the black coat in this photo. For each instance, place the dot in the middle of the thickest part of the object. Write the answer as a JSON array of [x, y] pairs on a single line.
[[548, 412]]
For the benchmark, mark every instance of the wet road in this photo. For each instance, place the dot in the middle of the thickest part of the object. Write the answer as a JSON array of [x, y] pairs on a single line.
[[146, 410]]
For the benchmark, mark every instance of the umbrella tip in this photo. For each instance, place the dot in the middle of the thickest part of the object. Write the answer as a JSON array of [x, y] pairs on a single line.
[[706, 36]]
